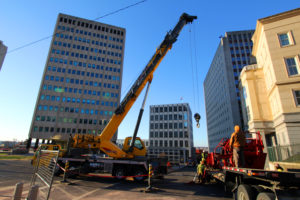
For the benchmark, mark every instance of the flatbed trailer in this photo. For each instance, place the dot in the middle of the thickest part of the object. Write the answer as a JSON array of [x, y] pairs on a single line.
[[118, 168], [247, 183]]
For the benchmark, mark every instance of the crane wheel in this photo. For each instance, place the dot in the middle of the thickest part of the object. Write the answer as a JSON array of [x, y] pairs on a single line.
[[139, 172], [119, 173]]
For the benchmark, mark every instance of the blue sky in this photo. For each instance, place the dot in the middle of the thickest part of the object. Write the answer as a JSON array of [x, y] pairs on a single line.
[[146, 24]]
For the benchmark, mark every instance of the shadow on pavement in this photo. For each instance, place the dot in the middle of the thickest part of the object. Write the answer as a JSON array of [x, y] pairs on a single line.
[[175, 184]]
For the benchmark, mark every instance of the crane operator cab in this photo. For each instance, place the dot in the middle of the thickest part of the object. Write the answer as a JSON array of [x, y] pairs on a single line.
[[139, 148]]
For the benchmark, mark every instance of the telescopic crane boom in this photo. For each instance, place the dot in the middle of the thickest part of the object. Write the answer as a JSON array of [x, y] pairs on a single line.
[[146, 76]]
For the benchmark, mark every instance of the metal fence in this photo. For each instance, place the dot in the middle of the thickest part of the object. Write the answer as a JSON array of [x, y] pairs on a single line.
[[44, 171], [287, 153]]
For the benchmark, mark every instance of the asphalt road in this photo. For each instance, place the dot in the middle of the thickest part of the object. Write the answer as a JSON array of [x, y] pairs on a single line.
[[175, 185]]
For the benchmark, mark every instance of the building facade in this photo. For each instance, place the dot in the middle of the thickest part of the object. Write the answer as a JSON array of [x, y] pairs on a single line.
[[221, 86], [3, 50], [80, 87], [271, 89], [171, 132]]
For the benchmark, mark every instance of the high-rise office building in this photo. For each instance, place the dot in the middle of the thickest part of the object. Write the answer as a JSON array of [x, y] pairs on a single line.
[[3, 50], [80, 87], [221, 86], [171, 132]]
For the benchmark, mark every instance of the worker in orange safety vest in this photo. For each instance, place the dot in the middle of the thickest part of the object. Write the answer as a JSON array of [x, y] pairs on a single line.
[[237, 143]]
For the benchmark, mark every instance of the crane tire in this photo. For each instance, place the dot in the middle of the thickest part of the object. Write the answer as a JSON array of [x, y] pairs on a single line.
[[265, 196], [138, 173], [119, 173]]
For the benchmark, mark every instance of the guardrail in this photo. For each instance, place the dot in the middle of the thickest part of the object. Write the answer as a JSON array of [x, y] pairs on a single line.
[[286, 153]]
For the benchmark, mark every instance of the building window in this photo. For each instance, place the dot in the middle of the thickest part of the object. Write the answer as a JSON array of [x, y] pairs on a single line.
[[285, 39], [297, 97], [291, 64]]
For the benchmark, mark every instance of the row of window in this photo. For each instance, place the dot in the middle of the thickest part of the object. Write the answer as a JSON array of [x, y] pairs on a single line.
[[77, 110], [77, 55], [77, 100], [91, 26], [88, 41], [233, 59], [76, 63], [240, 44], [79, 91], [168, 125], [64, 130], [83, 73], [168, 117], [169, 134], [240, 37], [81, 82], [168, 151], [82, 32], [168, 109], [71, 120], [169, 143]]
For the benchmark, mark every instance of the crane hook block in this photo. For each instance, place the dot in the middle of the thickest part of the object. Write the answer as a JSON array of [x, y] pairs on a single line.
[[197, 118]]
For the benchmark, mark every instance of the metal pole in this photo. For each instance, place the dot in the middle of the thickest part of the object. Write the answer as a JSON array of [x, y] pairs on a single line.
[[65, 172], [149, 188], [18, 192], [32, 195]]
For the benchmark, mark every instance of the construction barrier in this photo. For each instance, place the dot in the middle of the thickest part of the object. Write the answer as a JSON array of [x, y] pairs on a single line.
[[43, 173]]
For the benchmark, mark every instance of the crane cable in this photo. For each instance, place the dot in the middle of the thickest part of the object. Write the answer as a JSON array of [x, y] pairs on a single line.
[[195, 76], [192, 66]]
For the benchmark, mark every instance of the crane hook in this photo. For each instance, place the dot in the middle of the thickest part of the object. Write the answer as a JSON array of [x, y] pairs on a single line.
[[197, 118]]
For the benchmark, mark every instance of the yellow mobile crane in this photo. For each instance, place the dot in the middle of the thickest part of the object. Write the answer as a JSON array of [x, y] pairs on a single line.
[[129, 157]]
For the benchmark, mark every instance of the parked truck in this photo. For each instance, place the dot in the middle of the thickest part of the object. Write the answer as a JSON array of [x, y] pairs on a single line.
[[97, 153], [252, 181]]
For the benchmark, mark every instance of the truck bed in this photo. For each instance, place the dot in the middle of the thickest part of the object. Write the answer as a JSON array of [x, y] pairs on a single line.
[[280, 178]]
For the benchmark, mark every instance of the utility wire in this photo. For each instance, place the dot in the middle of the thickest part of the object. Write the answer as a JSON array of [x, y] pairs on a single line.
[[108, 14]]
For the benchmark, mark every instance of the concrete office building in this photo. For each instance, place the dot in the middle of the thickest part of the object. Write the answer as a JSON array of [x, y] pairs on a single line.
[[171, 132], [3, 50], [271, 88], [221, 91], [80, 87]]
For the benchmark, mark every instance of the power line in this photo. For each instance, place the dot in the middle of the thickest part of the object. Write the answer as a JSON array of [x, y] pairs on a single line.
[[108, 14]]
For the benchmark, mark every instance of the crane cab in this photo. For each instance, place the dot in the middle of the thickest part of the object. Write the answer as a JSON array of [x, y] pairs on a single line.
[[139, 148]]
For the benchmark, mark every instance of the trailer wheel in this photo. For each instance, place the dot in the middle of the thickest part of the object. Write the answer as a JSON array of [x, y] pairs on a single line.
[[119, 173], [265, 196], [244, 192]]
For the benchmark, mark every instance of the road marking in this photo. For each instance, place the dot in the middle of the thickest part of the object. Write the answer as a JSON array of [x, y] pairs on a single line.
[[86, 194]]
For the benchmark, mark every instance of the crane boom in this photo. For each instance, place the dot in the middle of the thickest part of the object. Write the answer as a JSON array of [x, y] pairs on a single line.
[[147, 74]]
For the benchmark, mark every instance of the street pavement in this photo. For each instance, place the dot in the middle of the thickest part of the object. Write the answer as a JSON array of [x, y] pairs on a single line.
[[175, 186]]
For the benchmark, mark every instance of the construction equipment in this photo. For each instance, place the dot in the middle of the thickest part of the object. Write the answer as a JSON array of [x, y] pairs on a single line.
[[131, 158], [222, 155], [252, 181]]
